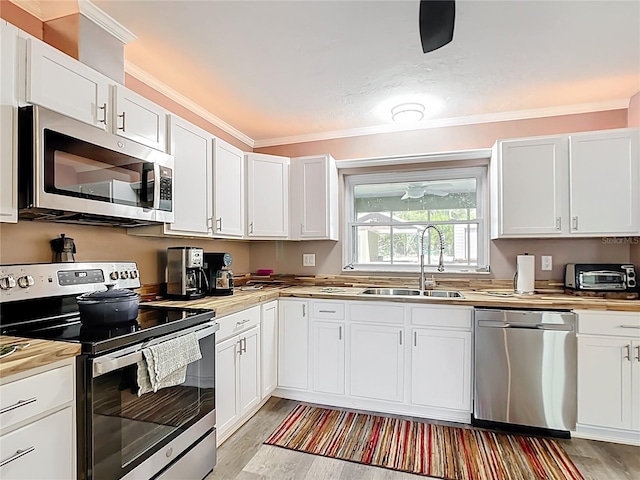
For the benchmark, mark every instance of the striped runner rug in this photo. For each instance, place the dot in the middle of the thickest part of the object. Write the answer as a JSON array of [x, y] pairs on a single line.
[[422, 448]]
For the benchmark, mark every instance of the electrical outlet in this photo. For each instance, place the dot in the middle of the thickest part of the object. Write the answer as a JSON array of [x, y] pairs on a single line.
[[308, 259], [546, 262]]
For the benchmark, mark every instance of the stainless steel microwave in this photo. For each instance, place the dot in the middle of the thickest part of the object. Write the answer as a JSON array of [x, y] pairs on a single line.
[[72, 172]]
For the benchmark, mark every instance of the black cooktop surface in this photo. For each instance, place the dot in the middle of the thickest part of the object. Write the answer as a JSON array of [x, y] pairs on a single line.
[[152, 322]]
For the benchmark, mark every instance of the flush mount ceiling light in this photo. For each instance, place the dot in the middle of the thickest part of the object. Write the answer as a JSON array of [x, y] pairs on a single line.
[[407, 113]]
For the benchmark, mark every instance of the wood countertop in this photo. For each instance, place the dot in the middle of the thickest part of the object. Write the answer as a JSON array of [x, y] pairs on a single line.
[[39, 353]]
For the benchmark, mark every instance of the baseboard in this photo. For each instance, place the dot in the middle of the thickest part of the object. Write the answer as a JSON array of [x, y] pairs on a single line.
[[626, 437]]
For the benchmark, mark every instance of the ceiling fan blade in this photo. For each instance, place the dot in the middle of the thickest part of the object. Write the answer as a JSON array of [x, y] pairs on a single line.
[[437, 18]]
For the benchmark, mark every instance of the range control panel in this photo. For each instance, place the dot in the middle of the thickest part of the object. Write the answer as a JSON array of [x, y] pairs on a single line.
[[39, 280]]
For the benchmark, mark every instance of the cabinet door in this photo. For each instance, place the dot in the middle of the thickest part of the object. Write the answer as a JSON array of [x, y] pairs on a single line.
[[377, 361], [328, 357], [227, 403], [269, 347], [604, 382], [293, 344], [191, 148], [137, 118], [63, 84], [532, 187], [228, 189], [8, 120], [635, 385], [441, 369], [249, 366], [605, 179], [267, 196], [314, 189]]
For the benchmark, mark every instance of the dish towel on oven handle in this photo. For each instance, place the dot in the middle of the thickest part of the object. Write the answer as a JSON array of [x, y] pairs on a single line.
[[165, 364]]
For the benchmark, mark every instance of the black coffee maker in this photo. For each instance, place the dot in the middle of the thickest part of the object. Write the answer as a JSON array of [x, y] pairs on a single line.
[[219, 274]]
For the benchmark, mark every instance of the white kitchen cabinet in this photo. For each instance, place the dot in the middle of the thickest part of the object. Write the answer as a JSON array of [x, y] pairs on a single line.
[[138, 119], [227, 402], [267, 196], [249, 367], [228, 190], [441, 369], [605, 182], [269, 347], [574, 185], [377, 361], [529, 185], [328, 356], [314, 198], [191, 148], [293, 344], [8, 123]]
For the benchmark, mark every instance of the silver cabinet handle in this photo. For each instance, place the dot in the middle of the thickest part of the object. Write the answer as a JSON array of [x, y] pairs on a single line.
[[638, 354], [243, 345], [209, 223], [558, 223], [327, 311], [415, 339], [304, 309], [340, 332], [400, 337], [250, 228], [242, 322], [574, 223], [104, 110], [629, 326], [123, 120], [627, 355], [219, 224], [17, 455], [18, 404]]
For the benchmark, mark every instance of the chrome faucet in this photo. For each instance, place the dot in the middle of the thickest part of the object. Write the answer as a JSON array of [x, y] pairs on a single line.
[[440, 262]]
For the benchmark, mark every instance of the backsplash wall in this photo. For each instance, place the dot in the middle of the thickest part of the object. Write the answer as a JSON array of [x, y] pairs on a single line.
[[28, 242]]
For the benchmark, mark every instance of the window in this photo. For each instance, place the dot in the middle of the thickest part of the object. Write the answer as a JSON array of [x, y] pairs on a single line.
[[385, 219]]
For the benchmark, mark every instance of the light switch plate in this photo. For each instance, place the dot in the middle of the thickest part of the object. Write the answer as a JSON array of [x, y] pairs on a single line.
[[308, 259], [546, 262]]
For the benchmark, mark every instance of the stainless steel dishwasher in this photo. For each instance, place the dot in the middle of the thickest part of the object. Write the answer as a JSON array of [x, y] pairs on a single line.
[[525, 370]]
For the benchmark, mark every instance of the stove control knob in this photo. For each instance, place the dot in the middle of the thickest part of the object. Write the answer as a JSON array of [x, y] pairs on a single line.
[[134, 274], [26, 281], [113, 276], [7, 282], [124, 274]]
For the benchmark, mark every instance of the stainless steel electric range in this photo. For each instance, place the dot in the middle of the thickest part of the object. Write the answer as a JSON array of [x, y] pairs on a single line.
[[168, 434]]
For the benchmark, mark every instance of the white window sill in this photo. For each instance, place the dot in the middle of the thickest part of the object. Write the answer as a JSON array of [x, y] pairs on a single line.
[[428, 271]]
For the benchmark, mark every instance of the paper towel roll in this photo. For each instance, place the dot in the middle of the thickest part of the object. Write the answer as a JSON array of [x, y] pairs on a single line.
[[526, 274]]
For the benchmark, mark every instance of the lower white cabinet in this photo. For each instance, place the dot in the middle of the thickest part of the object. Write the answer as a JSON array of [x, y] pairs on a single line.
[[293, 344], [249, 368], [609, 376], [227, 404], [441, 369], [269, 347], [377, 361], [328, 342]]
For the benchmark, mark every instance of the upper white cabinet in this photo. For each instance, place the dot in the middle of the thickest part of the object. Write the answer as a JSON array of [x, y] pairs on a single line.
[[8, 123], [61, 83], [228, 190], [267, 196], [135, 117], [605, 182], [314, 198], [585, 184], [191, 147]]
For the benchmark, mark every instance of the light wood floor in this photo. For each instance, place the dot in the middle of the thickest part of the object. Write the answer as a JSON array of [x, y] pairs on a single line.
[[244, 457]]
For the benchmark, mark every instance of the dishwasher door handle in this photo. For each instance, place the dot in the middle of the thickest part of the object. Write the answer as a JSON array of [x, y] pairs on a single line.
[[556, 327]]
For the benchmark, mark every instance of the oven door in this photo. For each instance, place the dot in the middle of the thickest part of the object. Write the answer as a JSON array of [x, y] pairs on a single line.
[[123, 430]]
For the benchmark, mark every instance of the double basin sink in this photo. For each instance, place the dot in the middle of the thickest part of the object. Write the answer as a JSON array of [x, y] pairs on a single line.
[[409, 292]]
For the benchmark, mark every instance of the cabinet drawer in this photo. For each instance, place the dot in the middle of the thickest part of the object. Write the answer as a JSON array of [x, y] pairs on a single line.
[[619, 324], [48, 449], [237, 322], [438, 316], [33, 395], [376, 312], [328, 310]]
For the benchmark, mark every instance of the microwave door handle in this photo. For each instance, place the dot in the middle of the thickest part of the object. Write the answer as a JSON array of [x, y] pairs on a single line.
[[156, 186], [144, 190]]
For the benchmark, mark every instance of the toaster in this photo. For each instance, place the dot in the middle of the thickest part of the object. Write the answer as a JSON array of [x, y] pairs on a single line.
[[600, 277]]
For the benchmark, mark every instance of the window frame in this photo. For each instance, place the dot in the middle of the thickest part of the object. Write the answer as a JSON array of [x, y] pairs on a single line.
[[480, 173]]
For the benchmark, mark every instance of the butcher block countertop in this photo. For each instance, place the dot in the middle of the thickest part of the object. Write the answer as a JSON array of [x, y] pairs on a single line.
[[39, 353]]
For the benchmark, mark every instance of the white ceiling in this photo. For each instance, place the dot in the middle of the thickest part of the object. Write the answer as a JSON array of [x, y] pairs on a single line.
[[275, 69]]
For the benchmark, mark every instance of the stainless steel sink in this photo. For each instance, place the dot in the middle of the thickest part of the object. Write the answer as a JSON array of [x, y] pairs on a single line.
[[409, 292]]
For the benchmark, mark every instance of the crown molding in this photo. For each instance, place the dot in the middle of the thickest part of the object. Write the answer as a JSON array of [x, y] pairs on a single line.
[[450, 122], [169, 92], [93, 13]]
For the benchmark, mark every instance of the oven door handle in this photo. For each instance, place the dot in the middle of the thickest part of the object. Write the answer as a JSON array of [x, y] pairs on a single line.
[[108, 364]]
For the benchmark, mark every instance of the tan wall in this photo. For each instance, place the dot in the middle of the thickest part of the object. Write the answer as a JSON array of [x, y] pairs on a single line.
[[633, 113], [28, 242], [634, 252]]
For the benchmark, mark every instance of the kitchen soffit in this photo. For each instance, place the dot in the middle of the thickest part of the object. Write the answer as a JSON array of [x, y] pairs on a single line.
[[311, 69]]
